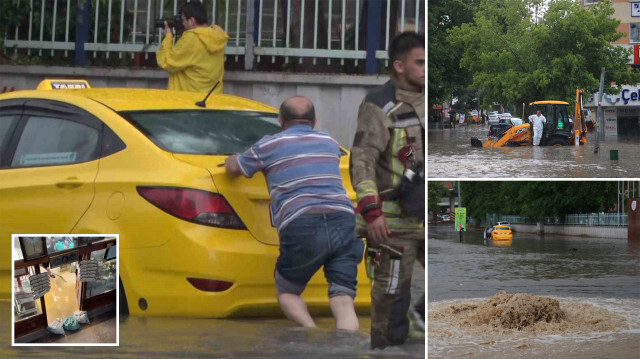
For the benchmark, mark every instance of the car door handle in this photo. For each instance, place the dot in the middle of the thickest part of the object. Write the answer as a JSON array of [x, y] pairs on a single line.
[[69, 184]]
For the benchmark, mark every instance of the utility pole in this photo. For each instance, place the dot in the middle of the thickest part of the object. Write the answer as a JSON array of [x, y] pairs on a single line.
[[459, 196], [599, 114]]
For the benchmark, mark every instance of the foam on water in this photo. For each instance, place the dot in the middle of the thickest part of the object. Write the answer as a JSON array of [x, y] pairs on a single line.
[[589, 324]]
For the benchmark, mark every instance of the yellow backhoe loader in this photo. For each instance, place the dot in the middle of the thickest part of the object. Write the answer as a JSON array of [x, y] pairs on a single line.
[[558, 131]]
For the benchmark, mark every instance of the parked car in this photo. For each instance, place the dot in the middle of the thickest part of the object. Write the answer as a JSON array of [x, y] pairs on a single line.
[[146, 164], [499, 223], [493, 117], [446, 218], [504, 116], [473, 116], [516, 121]]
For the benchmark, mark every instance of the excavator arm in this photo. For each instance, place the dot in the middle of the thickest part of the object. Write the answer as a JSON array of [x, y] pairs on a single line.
[[579, 123]]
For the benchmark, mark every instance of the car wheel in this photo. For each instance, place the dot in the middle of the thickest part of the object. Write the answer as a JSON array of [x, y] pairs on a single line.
[[124, 306], [557, 142]]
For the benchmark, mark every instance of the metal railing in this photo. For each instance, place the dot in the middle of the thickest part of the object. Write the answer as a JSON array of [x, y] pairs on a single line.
[[598, 219], [590, 219], [257, 29]]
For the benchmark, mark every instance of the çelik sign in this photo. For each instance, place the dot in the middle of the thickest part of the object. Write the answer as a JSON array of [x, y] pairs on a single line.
[[461, 219]]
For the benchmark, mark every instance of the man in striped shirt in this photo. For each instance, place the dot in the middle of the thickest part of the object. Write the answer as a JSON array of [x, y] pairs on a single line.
[[311, 210]]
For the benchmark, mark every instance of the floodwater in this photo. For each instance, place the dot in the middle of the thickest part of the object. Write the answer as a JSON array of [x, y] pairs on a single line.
[[210, 338], [230, 338], [596, 282], [451, 156]]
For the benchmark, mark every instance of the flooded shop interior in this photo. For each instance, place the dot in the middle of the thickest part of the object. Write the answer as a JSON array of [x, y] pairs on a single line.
[[64, 289]]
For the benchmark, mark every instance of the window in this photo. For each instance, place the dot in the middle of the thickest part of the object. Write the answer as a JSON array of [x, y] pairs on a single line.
[[50, 141], [634, 32], [58, 244], [5, 125], [204, 132], [587, 2], [24, 305], [106, 279]]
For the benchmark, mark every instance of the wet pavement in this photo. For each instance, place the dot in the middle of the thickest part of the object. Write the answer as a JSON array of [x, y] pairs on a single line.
[[584, 274], [231, 338], [450, 155]]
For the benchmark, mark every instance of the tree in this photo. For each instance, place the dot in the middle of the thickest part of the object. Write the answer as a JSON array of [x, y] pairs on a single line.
[[435, 192], [538, 199], [445, 74], [12, 13], [517, 58]]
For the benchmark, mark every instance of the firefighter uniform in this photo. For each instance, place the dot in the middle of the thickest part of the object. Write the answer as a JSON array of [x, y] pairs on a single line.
[[389, 137]]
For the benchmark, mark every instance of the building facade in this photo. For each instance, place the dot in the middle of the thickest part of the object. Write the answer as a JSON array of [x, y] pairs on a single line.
[[622, 111]]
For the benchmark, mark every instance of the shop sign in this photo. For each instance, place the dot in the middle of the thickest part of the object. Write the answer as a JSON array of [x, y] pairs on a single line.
[[630, 95], [610, 122], [635, 9]]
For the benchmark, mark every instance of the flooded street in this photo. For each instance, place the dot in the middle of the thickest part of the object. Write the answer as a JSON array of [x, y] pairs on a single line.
[[211, 338], [451, 155], [595, 281], [267, 338]]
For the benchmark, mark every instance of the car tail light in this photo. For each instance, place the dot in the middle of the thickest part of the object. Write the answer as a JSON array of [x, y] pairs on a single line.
[[210, 285], [197, 206]]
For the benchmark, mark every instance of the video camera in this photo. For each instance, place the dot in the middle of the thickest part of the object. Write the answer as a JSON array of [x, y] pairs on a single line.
[[175, 22]]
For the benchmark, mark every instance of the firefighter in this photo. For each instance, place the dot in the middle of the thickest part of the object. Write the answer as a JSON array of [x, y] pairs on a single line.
[[389, 141]]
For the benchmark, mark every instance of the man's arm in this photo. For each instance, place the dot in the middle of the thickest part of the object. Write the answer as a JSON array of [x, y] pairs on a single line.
[[232, 167], [176, 57], [246, 163], [370, 141]]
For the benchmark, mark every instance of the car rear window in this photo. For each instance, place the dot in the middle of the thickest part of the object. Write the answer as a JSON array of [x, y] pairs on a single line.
[[502, 228], [206, 132]]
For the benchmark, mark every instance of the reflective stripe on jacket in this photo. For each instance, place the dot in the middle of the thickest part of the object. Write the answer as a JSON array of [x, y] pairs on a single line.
[[388, 120]]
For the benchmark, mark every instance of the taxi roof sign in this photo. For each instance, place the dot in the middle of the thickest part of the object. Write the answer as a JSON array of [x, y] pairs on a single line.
[[63, 84]]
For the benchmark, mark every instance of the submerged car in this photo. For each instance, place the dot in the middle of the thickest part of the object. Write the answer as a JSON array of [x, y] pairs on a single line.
[[147, 164], [501, 233]]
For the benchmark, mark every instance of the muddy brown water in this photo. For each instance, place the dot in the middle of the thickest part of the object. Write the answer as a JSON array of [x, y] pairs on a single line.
[[450, 155], [595, 282], [211, 338]]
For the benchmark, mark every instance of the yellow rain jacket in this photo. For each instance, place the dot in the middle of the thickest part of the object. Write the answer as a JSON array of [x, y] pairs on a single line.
[[196, 62]]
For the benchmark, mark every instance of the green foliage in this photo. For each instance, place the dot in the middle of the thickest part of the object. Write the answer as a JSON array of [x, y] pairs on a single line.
[[12, 13], [537, 199], [436, 190], [446, 77], [516, 57]]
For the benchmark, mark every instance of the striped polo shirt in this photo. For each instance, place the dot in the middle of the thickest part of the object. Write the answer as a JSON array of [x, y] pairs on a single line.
[[302, 170]]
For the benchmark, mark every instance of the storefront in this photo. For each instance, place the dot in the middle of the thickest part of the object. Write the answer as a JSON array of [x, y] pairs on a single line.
[[47, 285], [621, 112]]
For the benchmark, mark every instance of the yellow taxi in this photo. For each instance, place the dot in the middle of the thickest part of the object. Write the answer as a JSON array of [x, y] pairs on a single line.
[[147, 164], [501, 233]]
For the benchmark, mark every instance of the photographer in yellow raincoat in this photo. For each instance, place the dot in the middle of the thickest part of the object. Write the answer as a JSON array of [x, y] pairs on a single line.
[[196, 61]]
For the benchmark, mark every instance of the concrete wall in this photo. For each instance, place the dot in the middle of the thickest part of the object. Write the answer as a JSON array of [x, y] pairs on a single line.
[[336, 97], [568, 230]]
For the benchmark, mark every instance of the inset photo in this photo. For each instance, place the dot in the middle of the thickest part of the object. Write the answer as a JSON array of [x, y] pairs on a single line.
[[65, 290]]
